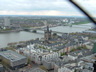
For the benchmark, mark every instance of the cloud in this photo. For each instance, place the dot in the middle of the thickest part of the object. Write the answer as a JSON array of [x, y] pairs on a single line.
[[39, 7], [35, 5], [45, 12]]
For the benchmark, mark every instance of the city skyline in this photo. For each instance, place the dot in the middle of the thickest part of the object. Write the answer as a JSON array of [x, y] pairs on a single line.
[[45, 7]]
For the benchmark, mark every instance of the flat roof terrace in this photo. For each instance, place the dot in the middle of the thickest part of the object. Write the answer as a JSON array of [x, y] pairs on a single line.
[[11, 55]]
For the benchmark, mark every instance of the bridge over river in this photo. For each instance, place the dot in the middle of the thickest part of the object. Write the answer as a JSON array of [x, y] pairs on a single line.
[[38, 30]]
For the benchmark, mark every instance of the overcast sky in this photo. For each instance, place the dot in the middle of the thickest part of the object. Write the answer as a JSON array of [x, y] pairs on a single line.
[[45, 7]]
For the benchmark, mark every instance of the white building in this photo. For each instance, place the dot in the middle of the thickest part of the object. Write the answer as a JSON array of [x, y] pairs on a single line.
[[73, 57], [7, 21], [68, 68], [37, 55]]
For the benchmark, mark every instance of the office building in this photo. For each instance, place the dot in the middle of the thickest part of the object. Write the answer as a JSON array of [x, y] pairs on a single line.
[[13, 59], [7, 21]]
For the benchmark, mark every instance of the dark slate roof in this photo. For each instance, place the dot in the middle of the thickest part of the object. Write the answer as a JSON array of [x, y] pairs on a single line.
[[84, 53], [59, 47]]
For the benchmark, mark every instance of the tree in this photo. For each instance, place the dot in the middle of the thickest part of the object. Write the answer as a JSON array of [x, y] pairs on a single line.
[[29, 60], [73, 50], [54, 34], [79, 47], [10, 48], [75, 70], [0, 59], [84, 47], [34, 31], [40, 47], [94, 48], [61, 54]]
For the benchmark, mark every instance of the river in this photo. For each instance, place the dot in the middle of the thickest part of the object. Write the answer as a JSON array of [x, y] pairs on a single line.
[[6, 38], [74, 28]]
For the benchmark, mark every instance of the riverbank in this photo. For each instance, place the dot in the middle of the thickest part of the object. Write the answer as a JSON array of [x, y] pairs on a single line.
[[85, 22], [10, 31]]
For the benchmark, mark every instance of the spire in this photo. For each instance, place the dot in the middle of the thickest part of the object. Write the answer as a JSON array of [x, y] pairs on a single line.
[[47, 28]]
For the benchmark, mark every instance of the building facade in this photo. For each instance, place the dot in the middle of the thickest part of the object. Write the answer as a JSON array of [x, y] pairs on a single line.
[[7, 21], [13, 59]]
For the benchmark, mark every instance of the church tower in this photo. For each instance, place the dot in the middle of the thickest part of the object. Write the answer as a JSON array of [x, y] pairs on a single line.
[[47, 34]]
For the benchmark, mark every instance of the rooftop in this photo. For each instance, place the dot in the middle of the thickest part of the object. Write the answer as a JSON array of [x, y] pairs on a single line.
[[71, 67], [38, 70], [11, 55], [90, 58], [81, 53]]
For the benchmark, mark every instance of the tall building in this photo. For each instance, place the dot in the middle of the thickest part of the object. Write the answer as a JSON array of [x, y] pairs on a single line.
[[7, 21], [47, 34], [70, 23]]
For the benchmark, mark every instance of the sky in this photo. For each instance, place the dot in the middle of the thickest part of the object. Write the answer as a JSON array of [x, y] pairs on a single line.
[[45, 7]]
